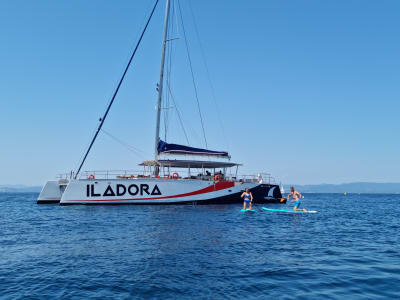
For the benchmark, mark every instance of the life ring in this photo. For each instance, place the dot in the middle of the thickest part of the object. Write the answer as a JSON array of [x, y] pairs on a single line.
[[175, 175], [218, 177], [91, 176]]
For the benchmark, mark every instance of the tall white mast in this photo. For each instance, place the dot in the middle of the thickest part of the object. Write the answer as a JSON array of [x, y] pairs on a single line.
[[160, 85]]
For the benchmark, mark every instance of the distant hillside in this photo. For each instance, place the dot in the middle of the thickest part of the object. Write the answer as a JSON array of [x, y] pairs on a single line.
[[354, 187], [19, 188]]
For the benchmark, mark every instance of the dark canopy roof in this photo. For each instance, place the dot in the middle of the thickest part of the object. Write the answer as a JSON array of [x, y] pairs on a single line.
[[189, 164], [165, 148]]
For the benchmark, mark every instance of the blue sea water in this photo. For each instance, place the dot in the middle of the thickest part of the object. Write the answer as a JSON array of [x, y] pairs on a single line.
[[348, 250]]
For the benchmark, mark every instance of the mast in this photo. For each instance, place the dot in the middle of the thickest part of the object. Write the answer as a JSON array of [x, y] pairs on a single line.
[[160, 86]]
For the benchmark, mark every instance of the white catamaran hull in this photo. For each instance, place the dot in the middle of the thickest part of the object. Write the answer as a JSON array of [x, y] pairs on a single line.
[[155, 191], [51, 192]]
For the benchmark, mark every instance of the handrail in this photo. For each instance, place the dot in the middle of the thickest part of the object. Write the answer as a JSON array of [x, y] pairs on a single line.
[[136, 174]]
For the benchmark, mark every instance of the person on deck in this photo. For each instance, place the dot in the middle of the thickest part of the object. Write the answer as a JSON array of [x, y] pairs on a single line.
[[296, 199], [248, 199]]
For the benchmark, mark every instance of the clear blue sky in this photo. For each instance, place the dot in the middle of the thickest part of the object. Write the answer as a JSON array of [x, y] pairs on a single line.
[[307, 90]]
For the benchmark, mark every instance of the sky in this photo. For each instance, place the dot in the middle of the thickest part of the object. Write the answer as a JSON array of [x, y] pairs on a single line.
[[305, 90]]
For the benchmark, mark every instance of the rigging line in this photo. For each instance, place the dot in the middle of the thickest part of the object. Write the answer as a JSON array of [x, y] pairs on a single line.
[[167, 95], [126, 145], [208, 74], [173, 30], [178, 113], [176, 18], [166, 99], [117, 89], [168, 78], [174, 27], [170, 55], [191, 70], [128, 54]]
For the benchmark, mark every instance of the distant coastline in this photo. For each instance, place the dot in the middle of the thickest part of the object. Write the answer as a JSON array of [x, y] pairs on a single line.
[[19, 188], [353, 187]]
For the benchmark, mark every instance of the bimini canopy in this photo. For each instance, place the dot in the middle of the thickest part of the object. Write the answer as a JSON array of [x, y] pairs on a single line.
[[165, 148], [189, 164]]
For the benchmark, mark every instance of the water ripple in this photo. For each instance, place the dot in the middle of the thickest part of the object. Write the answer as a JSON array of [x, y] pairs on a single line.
[[200, 252]]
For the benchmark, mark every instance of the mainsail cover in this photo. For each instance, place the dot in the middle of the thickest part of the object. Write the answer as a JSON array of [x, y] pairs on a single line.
[[165, 148]]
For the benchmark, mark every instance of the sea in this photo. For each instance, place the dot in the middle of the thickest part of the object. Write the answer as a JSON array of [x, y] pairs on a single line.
[[349, 249]]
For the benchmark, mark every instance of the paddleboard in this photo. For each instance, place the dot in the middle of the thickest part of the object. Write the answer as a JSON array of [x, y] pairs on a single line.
[[289, 211], [247, 210]]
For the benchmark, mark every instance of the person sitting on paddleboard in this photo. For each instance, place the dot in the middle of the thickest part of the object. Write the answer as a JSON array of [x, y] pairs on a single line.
[[248, 199], [296, 199]]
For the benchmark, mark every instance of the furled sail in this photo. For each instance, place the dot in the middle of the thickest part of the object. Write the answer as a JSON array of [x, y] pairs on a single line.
[[165, 148]]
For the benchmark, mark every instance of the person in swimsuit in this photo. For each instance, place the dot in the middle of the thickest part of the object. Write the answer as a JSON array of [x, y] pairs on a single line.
[[248, 199], [296, 199]]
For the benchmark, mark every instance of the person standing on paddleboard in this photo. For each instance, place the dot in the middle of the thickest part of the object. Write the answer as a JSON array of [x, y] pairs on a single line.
[[296, 199], [248, 199]]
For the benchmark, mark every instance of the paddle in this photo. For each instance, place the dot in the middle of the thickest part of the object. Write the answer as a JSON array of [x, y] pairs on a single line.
[[253, 204]]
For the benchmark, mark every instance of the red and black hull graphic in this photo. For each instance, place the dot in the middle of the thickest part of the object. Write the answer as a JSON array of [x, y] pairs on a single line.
[[262, 194]]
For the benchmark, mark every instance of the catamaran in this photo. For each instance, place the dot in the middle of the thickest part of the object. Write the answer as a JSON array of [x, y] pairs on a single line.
[[210, 178]]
